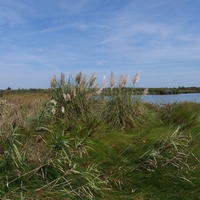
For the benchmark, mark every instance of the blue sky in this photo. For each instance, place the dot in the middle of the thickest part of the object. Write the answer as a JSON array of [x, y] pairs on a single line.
[[40, 38]]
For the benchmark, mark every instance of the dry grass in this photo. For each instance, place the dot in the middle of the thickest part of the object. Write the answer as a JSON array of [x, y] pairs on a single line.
[[22, 109]]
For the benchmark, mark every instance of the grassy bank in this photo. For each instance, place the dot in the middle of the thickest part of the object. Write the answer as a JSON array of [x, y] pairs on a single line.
[[69, 144]]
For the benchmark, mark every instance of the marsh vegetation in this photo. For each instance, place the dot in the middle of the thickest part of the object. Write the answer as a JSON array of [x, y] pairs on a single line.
[[69, 144]]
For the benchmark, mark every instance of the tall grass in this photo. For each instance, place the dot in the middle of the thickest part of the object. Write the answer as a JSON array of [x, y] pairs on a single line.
[[122, 110], [76, 143], [184, 114], [52, 158], [79, 100]]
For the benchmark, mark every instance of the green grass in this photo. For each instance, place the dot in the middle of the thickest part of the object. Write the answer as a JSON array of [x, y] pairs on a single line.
[[120, 161], [91, 148]]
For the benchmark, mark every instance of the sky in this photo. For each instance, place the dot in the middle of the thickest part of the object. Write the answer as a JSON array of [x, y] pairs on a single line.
[[40, 38]]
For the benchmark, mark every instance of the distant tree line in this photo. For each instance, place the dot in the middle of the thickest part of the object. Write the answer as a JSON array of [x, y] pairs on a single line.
[[161, 91], [23, 90], [106, 91]]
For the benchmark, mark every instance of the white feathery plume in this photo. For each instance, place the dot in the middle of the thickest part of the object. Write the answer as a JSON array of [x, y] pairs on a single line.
[[136, 77], [145, 91], [112, 81], [104, 81]]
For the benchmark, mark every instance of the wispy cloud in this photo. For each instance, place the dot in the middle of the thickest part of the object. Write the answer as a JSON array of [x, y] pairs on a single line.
[[155, 37]]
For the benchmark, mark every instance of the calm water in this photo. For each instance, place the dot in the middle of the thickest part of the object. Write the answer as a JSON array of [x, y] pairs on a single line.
[[159, 99]]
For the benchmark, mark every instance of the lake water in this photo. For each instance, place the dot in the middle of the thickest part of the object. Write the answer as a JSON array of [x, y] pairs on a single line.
[[164, 99]]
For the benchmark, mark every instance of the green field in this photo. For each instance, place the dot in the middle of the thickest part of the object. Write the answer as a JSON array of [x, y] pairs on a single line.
[[69, 144]]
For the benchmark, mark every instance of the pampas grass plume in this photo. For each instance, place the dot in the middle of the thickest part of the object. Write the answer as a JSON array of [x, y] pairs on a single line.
[[136, 77], [98, 92], [62, 79], [92, 79], [104, 81], [83, 81], [112, 81], [53, 102], [125, 80], [145, 91], [53, 82], [62, 109], [53, 110], [68, 97], [78, 77], [121, 79]]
